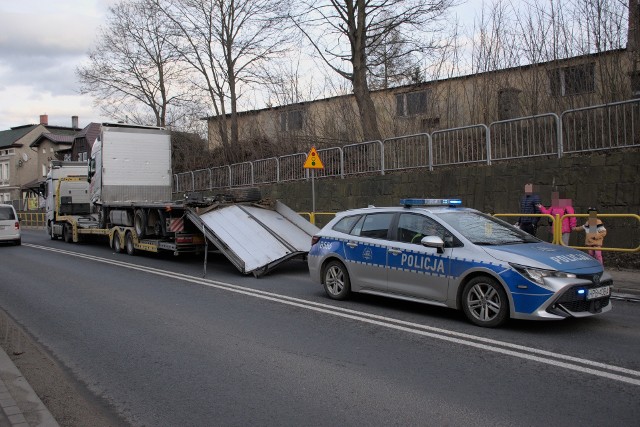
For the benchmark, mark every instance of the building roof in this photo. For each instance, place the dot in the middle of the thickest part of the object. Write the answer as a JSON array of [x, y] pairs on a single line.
[[54, 138], [9, 137], [90, 133], [426, 84]]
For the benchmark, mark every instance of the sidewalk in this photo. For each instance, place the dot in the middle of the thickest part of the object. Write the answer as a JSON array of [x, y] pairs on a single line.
[[626, 283], [21, 407]]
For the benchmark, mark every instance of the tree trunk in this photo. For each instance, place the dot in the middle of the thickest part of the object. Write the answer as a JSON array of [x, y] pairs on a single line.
[[366, 107]]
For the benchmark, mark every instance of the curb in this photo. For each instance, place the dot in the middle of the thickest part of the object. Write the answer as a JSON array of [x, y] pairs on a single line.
[[21, 406]]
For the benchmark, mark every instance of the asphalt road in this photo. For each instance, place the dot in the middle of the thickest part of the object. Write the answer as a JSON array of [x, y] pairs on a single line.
[[165, 347]]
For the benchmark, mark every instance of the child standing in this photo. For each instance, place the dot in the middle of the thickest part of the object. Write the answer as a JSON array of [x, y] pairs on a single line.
[[561, 207], [595, 234]]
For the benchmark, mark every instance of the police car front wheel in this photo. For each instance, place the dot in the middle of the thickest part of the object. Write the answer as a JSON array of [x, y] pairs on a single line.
[[336, 280], [484, 302]]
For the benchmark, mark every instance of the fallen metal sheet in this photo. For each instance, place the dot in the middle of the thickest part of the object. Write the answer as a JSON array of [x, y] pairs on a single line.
[[254, 238]]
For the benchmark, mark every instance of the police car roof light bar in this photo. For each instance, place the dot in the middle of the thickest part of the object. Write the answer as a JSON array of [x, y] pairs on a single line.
[[431, 202]]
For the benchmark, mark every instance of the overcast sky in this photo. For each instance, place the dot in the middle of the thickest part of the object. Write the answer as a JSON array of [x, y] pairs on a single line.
[[41, 44]]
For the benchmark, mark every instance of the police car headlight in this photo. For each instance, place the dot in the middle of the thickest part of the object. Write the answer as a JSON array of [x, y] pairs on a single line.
[[537, 275]]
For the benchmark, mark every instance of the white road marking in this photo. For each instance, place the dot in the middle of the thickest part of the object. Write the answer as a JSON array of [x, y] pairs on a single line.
[[529, 353]]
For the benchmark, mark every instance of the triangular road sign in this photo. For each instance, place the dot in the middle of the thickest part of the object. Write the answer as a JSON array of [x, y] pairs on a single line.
[[313, 160]]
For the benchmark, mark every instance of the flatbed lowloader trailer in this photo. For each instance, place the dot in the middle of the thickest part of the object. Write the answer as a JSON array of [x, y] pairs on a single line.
[[125, 195], [255, 236]]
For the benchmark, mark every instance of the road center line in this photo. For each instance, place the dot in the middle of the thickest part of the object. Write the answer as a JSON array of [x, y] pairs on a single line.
[[487, 344]]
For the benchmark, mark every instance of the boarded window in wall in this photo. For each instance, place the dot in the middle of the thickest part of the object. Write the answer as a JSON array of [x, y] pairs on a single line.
[[574, 80], [291, 120], [411, 103], [509, 103]]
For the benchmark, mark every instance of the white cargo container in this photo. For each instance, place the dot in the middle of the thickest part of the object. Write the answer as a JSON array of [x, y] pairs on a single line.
[[130, 164]]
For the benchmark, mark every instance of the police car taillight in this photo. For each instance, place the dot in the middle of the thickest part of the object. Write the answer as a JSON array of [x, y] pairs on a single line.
[[431, 202], [314, 240]]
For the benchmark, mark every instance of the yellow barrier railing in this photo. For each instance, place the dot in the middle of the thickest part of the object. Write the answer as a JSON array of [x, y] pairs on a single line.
[[32, 219], [312, 215], [557, 228]]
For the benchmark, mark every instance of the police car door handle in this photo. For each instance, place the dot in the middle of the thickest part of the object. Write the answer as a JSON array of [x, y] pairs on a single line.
[[394, 251], [352, 244]]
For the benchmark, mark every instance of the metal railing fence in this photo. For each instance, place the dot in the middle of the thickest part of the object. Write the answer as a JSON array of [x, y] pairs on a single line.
[[525, 137], [600, 127], [408, 152], [365, 157], [468, 144]]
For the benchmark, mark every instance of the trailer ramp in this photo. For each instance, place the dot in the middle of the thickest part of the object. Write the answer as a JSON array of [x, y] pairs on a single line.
[[255, 238]]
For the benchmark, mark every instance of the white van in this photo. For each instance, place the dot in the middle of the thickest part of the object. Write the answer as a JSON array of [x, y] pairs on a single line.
[[9, 225]]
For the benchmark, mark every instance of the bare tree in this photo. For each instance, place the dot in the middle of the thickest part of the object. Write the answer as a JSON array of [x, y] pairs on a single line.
[[344, 31], [133, 71], [226, 42], [391, 63]]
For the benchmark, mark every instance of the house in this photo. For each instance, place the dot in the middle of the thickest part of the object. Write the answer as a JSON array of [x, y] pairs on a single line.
[[83, 142], [550, 87], [25, 153]]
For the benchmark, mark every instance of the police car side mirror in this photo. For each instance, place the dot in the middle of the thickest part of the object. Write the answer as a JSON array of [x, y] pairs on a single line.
[[433, 242]]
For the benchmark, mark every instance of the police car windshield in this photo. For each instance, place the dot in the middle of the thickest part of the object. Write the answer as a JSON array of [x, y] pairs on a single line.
[[482, 229]]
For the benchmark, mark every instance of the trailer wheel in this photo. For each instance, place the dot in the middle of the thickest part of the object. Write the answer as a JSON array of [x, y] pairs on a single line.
[[67, 234], [128, 243], [115, 243], [140, 222], [249, 194]]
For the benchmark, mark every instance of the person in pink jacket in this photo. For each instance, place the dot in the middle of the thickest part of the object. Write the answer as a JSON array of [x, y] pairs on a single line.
[[561, 207]]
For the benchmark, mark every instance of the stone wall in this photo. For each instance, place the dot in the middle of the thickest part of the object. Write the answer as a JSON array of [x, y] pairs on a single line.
[[608, 181]]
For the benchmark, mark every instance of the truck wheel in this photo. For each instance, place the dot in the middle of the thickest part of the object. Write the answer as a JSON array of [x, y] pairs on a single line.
[[140, 222], [115, 244], [67, 234], [128, 243]]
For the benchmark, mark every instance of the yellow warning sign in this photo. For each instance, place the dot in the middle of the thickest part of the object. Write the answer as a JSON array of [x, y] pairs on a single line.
[[313, 160]]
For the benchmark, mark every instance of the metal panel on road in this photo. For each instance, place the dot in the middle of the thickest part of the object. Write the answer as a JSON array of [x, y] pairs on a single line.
[[255, 238]]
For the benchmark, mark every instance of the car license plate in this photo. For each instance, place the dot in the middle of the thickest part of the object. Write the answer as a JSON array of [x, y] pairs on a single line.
[[599, 292]]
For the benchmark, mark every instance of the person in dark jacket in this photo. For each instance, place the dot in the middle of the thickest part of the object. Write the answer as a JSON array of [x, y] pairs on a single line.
[[529, 205]]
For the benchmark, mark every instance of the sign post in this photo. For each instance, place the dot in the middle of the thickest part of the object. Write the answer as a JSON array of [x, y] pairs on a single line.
[[313, 162]]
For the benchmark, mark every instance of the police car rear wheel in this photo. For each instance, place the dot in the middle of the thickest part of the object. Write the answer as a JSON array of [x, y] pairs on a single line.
[[485, 302], [336, 280]]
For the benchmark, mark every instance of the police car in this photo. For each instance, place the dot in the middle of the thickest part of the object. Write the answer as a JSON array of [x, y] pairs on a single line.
[[435, 251]]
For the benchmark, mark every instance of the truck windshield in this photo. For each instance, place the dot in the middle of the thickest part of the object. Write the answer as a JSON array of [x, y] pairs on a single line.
[[483, 229]]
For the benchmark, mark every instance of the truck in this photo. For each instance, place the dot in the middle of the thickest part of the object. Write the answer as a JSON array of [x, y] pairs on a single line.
[[66, 194], [124, 194]]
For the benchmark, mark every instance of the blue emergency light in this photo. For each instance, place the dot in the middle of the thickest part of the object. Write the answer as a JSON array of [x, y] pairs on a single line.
[[431, 202], [581, 292]]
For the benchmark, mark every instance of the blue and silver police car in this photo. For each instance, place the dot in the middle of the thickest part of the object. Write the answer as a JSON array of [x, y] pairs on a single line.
[[435, 251]]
